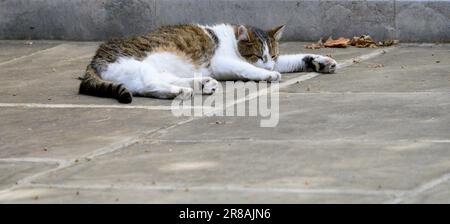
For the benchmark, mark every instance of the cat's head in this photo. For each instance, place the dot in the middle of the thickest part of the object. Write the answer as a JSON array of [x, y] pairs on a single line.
[[259, 47]]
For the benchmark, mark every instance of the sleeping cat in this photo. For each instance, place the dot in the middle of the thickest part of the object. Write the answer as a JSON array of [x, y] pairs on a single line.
[[162, 63]]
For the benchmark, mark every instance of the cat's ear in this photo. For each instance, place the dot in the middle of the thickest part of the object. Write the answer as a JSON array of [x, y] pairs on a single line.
[[243, 33], [277, 32]]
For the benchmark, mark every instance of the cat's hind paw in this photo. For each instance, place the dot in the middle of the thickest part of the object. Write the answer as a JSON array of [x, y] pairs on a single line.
[[185, 93], [209, 86]]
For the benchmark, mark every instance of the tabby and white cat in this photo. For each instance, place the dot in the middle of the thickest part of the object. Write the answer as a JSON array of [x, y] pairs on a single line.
[[163, 63]]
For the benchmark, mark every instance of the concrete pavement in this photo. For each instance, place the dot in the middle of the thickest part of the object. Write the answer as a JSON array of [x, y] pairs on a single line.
[[377, 131]]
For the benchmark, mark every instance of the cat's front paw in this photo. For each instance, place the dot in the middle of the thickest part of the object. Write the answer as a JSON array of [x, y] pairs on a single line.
[[322, 64], [272, 76], [209, 86]]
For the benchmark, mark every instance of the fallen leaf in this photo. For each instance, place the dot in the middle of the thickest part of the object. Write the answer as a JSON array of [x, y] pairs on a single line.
[[339, 43], [356, 60], [363, 42]]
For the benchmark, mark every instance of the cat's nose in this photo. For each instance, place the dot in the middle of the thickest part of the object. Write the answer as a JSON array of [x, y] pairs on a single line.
[[265, 59]]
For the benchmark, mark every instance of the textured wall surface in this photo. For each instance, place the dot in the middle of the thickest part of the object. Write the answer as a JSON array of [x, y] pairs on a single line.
[[419, 20]]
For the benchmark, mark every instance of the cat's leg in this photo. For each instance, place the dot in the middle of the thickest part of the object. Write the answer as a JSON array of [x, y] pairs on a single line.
[[163, 90], [305, 63], [204, 85], [234, 69], [163, 85]]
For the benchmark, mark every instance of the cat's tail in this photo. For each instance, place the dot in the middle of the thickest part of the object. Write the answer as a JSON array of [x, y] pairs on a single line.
[[92, 84]]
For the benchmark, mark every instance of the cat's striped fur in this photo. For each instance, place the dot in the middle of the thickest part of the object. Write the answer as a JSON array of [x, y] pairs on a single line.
[[162, 63]]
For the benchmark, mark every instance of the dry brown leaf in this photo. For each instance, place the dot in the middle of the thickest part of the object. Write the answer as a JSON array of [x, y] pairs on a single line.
[[341, 42], [363, 41]]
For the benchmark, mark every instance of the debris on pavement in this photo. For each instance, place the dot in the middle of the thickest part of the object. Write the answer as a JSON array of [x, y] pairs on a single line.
[[388, 43], [317, 45], [341, 42], [375, 66], [363, 41]]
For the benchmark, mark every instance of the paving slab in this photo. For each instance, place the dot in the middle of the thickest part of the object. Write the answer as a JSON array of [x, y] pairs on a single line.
[[10, 50], [270, 166], [69, 133], [11, 172], [406, 69], [334, 116], [439, 194]]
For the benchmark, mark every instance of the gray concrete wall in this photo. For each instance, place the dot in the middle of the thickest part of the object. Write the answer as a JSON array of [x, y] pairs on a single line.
[[409, 21]]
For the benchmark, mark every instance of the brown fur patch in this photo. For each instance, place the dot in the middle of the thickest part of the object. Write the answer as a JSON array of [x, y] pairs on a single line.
[[187, 41]]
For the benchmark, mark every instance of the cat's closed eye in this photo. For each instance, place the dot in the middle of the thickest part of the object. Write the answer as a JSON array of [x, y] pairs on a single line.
[[258, 56]]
